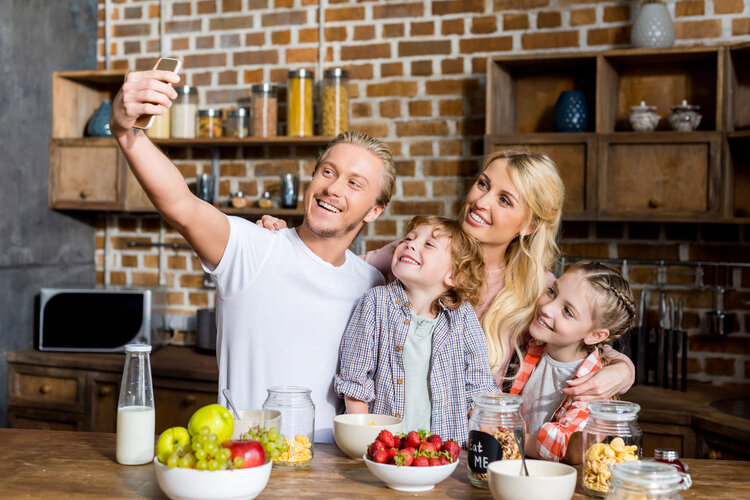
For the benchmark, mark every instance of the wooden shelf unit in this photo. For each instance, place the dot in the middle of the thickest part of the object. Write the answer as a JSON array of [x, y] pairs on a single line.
[[612, 172]]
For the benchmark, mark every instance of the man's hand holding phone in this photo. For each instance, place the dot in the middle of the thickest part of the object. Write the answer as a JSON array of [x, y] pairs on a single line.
[[144, 95]]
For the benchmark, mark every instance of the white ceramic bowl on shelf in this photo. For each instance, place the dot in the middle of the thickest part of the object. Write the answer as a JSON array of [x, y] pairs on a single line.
[[546, 480], [353, 432], [410, 478], [194, 484]]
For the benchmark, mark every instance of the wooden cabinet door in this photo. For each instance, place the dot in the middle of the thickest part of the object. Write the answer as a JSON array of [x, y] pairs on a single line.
[[658, 435], [103, 395], [177, 400], [31, 418], [85, 175]]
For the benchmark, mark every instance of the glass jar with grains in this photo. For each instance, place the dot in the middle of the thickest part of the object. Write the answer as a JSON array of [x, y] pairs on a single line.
[[184, 111], [209, 123], [297, 423], [299, 109], [646, 480], [265, 109], [236, 123], [611, 436], [492, 427], [335, 101]]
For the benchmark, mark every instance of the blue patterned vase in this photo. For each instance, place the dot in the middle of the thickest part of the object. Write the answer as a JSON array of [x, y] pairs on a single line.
[[571, 113], [98, 125]]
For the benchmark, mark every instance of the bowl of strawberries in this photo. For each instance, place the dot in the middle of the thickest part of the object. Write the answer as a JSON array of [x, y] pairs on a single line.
[[415, 461]]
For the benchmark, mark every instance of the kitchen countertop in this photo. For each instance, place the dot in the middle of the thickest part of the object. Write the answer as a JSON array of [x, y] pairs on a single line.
[[59, 464]]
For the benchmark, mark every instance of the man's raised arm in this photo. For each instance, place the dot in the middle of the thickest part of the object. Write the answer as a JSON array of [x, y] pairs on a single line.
[[204, 227]]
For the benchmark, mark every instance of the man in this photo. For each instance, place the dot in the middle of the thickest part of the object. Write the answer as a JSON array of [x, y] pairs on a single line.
[[283, 298]]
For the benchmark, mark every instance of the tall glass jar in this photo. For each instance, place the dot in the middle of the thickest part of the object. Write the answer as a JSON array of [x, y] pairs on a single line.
[[297, 423], [265, 109], [161, 128], [299, 109], [492, 429], [335, 101], [135, 408], [611, 436], [209, 123], [646, 480], [184, 111]]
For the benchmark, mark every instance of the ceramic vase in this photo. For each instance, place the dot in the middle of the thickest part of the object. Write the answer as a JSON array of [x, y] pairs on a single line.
[[653, 27], [98, 125], [571, 113]]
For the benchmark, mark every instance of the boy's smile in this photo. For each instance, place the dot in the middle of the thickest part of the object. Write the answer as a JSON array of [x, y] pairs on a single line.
[[423, 260]]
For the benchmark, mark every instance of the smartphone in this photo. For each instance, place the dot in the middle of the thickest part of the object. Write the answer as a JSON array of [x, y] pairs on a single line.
[[144, 122]]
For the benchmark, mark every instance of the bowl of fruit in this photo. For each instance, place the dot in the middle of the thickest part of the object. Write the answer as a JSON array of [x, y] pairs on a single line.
[[353, 432], [413, 461], [201, 462]]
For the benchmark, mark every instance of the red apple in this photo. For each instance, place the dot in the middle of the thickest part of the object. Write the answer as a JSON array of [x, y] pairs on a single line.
[[251, 451]]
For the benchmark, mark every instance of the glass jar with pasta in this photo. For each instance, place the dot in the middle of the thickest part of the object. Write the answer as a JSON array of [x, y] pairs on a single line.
[[299, 108], [492, 429], [297, 423], [611, 436], [647, 480], [209, 123], [334, 101]]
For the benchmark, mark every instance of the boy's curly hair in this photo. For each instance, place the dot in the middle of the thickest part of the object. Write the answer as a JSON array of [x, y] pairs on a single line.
[[468, 262]]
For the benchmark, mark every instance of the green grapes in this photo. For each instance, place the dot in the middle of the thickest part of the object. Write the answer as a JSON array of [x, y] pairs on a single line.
[[271, 440]]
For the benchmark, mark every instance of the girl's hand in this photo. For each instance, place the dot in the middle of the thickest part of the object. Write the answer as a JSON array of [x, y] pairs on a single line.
[[271, 222], [601, 384]]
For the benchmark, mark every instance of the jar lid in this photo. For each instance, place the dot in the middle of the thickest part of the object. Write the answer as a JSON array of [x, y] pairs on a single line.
[[209, 112], [336, 73], [654, 477], [186, 89], [614, 410], [498, 401], [235, 113], [666, 454], [138, 348], [300, 73], [263, 88], [684, 106], [288, 389], [642, 107]]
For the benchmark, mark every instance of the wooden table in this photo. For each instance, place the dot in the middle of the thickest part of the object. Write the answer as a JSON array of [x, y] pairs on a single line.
[[59, 464]]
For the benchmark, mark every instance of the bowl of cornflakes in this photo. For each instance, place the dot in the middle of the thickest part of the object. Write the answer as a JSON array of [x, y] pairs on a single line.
[[353, 432], [546, 480]]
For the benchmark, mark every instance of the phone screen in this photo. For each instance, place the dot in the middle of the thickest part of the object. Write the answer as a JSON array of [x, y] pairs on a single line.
[[144, 122]]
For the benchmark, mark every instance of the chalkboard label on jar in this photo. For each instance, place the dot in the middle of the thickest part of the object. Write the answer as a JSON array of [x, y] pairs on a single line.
[[483, 449]]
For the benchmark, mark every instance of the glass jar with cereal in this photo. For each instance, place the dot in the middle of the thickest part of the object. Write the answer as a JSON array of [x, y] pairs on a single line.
[[611, 436], [491, 427], [299, 106], [297, 423], [646, 480], [335, 101]]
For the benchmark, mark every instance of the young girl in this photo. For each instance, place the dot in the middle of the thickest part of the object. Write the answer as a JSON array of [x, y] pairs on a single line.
[[590, 304], [414, 348]]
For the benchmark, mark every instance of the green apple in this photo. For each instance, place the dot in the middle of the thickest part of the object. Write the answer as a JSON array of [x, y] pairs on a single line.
[[169, 440], [216, 418]]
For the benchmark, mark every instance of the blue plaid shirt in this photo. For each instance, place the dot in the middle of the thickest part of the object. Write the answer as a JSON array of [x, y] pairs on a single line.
[[372, 368]]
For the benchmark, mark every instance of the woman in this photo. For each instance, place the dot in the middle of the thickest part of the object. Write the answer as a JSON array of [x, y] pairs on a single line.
[[514, 209]]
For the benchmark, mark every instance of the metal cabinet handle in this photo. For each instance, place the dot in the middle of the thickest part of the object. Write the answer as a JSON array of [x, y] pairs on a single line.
[[189, 399], [85, 193], [44, 388], [654, 203], [105, 391]]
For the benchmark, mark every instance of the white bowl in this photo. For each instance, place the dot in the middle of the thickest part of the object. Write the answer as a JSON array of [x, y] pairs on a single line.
[[252, 418], [546, 480], [194, 484], [410, 478], [353, 434]]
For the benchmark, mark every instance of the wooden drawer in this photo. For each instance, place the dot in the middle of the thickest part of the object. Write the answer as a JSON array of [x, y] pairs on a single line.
[[29, 418], [52, 388], [85, 175]]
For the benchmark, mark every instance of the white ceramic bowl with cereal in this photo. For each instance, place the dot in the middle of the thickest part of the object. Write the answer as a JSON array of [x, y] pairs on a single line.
[[353, 432], [546, 480]]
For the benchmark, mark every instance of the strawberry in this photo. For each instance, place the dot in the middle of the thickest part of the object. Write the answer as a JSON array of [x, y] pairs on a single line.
[[436, 440], [399, 440], [375, 446], [434, 461], [387, 438], [428, 449], [380, 456], [444, 458], [391, 453], [452, 448], [412, 440], [421, 461], [404, 458]]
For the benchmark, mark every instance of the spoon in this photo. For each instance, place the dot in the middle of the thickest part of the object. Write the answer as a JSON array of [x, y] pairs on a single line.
[[518, 433], [228, 395]]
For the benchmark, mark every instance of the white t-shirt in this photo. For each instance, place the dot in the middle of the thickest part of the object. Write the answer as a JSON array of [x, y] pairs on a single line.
[[281, 311]]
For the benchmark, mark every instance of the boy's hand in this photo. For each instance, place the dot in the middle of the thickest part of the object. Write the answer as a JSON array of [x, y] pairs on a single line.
[[271, 222], [143, 93]]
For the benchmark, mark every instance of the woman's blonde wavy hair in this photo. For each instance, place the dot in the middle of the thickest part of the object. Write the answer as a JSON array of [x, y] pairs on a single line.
[[530, 255], [466, 254]]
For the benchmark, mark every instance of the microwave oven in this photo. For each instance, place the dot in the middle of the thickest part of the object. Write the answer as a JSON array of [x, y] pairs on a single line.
[[99, 320]]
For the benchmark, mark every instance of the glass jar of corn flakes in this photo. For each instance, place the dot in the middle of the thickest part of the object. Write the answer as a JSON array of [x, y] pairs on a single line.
[[297, 423], [646, 480], [299, 106], [611, 436], [492, 429], [334, 101]]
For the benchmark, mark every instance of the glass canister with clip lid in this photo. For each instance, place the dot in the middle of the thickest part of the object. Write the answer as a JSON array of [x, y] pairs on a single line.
[[299, 106], [297, 423], [184, 112], [611, 436], [335, 101], [265, 109], [492, 427], [135, 408], [646, 480]]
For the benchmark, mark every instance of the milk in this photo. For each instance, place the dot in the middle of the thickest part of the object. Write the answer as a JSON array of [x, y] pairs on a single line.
[[135, 435]]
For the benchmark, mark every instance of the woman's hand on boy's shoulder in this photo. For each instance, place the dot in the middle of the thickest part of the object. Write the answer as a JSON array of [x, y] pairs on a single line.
[[272, 223], [601, 384]]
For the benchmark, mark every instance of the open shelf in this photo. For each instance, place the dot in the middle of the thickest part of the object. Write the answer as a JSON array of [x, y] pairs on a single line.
[[738, 79], [737, 192]]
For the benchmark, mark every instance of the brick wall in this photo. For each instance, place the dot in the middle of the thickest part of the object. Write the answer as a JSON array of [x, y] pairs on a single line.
[[417, 80]]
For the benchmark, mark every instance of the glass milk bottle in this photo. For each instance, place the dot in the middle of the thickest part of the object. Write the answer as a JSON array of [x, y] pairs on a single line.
[[135, 409]]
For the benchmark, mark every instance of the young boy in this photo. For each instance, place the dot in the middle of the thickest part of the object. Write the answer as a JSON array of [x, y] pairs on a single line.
[[414, 348]]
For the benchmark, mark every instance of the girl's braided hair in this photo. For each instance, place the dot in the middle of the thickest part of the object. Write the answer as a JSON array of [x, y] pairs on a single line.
[[613, 303]]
